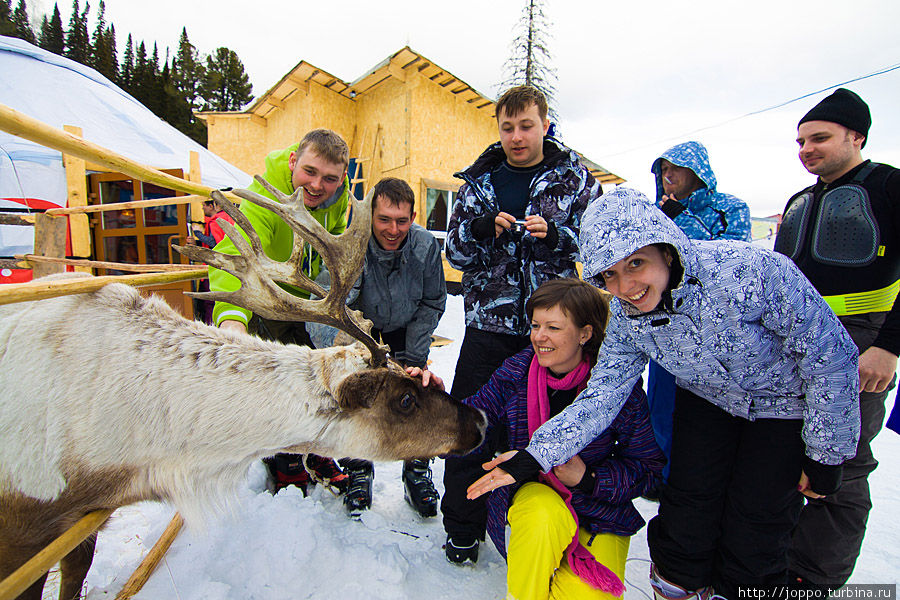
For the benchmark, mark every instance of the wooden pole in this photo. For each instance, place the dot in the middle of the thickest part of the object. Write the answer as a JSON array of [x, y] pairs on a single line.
[[99, 264], [76, 184], [151, 561], [94, 208], [29, 128], [41, 290], [43, 561], [49, 240]]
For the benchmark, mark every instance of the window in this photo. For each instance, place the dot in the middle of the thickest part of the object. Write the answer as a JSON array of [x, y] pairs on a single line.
[[439, 198]]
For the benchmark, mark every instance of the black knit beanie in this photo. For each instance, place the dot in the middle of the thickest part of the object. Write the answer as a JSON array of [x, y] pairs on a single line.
[[844, 108]]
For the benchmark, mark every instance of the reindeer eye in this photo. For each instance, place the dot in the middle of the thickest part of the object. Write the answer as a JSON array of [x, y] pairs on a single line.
[[407, 401]]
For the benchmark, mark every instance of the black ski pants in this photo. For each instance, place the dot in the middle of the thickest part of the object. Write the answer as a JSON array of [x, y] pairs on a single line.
[[480, 355], [731, 500]]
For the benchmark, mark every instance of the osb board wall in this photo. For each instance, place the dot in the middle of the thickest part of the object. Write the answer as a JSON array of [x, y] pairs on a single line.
[[244, 142], [385, 105], [304, 112], [238, 140], [446, 134]]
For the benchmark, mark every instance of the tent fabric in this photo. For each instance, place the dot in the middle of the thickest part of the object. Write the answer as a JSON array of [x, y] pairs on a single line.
[[59, 91]]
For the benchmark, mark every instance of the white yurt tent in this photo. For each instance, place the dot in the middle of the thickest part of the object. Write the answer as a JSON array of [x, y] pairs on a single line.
[[60, 92]]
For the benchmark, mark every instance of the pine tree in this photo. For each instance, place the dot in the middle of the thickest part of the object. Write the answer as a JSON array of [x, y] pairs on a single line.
[[530, 61], [140, 79], [52, 37], [103, 52], [226, 85], [77, 39], [187, 71], [7, 27], [23, 28], [126, 76]]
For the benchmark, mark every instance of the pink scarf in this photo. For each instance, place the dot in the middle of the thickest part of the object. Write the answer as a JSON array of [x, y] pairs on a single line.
[[581, 561]]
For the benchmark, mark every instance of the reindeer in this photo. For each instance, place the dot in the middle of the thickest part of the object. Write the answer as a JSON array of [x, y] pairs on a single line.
[[110, 398]]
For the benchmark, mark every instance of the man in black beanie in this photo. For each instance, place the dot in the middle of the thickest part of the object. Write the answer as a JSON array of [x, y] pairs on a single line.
[[844, 234]]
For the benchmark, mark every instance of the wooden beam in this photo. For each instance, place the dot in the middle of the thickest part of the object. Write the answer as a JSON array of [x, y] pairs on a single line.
[[17, 219], [151, 561], [29, 128], [41, 290], [275, 102], [194, 174], [76, 186], [49, 240], [21, 579], [95, 208], [258, 120], [300, 83], [99, 264], [397, 71]]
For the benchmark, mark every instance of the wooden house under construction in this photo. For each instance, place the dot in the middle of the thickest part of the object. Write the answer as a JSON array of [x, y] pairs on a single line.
[[406, 118]]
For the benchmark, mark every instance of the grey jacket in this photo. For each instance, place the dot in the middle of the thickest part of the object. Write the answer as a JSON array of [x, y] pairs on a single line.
[[404, 288]]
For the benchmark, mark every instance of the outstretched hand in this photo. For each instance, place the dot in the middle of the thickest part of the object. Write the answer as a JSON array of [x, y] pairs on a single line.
[[496, 478]]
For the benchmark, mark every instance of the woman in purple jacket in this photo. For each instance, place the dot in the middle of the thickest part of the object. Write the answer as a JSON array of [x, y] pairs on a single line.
[[569, 529]]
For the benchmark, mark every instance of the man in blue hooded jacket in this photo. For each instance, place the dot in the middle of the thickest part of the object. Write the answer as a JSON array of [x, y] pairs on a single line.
[[686, 192]]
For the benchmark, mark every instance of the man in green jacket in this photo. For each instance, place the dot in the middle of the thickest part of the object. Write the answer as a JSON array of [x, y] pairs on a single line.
[[318, 164]]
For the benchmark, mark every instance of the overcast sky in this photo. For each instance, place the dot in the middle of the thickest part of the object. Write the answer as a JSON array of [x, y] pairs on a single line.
[[634, 77]]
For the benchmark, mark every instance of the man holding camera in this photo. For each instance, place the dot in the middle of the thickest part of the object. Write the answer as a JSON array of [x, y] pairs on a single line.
[[514, 225]]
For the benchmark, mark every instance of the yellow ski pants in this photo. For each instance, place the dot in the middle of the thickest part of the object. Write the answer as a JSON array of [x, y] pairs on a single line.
[[541, 528]]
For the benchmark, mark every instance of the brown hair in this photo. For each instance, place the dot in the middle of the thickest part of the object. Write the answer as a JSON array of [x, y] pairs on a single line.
[[516, 99], [581, 302], [326, 144], [395, 191]]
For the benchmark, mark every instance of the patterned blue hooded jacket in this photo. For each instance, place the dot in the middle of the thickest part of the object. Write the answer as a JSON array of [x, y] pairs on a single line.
[[708, 214], [499, 275], [746, 331]]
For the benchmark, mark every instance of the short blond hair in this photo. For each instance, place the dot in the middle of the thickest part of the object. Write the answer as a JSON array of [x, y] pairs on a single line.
[[326, 144]]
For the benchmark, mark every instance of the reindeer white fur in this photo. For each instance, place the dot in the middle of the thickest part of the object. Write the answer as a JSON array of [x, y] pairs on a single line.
[[113, 391]]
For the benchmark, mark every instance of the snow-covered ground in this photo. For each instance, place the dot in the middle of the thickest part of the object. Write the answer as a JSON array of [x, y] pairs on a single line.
[[288, 546]]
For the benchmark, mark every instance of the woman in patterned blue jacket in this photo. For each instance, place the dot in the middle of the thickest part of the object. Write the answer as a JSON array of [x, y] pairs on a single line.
[[768, 401], [592, 493]]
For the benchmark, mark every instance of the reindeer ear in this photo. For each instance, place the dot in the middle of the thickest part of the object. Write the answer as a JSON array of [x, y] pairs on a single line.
[[359, 390]]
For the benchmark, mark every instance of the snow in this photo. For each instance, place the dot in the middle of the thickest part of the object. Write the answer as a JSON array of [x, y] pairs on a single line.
[[288, 546]]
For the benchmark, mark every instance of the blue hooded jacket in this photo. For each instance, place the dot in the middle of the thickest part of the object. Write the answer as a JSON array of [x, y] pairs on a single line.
[[746, 331], [708, 214]]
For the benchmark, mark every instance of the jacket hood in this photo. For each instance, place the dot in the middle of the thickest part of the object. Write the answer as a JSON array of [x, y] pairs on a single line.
[[692, 155], [619, 223]]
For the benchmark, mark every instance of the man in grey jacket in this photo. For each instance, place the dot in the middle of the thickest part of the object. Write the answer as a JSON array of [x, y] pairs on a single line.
[[403, 292]]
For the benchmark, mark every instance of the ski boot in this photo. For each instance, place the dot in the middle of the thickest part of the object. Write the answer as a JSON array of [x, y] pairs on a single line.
[[666, 590], [461, 548], [283, 470], [358, 496], [417, 487], [327, 472]]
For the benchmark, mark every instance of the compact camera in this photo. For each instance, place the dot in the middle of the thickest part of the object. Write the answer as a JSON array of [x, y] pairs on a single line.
[[518, 227]]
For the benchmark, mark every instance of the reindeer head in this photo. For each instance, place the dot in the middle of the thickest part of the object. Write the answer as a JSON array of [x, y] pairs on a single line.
[[259, 275], [399, 418]]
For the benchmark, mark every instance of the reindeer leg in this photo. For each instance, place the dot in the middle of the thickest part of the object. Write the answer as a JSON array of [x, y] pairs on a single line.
[[74, 568]]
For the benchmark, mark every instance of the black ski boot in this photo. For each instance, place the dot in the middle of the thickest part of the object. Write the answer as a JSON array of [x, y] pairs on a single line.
[[461, 548], [417, 487], [358, 496]]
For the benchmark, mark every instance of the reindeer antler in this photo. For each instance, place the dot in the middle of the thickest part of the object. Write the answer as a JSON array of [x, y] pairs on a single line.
[[259, 275]]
